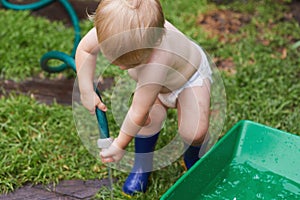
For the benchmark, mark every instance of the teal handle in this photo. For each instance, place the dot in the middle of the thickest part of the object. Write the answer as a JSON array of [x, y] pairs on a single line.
[[102, 121]]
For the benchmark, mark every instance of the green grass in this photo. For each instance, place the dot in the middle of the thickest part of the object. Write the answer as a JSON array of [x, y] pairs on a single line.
[[266, 86], [39, 143], [25, 39]]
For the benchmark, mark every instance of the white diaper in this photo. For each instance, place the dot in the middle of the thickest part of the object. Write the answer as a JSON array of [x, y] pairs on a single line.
[[204, 71]]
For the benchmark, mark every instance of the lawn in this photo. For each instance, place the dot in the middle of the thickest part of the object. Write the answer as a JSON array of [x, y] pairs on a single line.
[[257, 55]]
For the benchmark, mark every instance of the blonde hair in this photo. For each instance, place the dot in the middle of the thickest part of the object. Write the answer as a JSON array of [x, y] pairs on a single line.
[[127, 30]]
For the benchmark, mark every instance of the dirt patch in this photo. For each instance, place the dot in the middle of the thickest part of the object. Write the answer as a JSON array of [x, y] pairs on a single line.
[[226, 65], [217, 23], [220, 22]]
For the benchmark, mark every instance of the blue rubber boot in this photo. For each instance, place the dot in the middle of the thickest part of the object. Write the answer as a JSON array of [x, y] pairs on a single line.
[[137, 180], [191, 156]]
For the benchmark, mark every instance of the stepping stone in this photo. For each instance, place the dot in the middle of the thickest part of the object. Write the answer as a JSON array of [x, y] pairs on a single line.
[[65, 190]]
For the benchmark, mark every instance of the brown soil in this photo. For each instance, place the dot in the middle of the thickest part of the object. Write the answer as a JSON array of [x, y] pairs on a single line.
[[220, 22]]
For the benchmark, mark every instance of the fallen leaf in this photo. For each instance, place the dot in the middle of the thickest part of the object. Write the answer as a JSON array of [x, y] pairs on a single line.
[[283, 53]]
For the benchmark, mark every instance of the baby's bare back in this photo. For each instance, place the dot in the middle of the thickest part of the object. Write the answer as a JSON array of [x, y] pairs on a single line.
[[172, 63]]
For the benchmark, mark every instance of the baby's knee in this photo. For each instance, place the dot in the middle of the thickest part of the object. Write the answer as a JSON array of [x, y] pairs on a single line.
[[194, 136], [155, 120]]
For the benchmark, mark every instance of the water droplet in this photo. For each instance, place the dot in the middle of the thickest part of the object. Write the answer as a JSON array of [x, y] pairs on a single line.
[[256, 177]]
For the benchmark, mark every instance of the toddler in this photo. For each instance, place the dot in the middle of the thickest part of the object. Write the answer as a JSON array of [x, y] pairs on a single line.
[[170, 70]]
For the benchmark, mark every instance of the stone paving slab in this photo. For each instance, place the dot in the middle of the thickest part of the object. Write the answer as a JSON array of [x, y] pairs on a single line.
[[65, 190]]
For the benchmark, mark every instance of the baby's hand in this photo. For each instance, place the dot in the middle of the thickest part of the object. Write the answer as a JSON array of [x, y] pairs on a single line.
[[112, 154], [91, 100]]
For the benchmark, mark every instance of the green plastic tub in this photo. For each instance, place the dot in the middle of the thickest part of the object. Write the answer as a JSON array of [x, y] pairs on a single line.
[[252, 161]]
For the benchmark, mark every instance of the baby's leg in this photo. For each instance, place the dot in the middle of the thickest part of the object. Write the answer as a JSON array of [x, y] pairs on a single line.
[[155, 120], [193, 113], [145, 142], [193, 120]]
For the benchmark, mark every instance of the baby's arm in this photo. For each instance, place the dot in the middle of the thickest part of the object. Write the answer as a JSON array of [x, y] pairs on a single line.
[[150, 80], [144, 98], [85, 58], [137, 116]]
